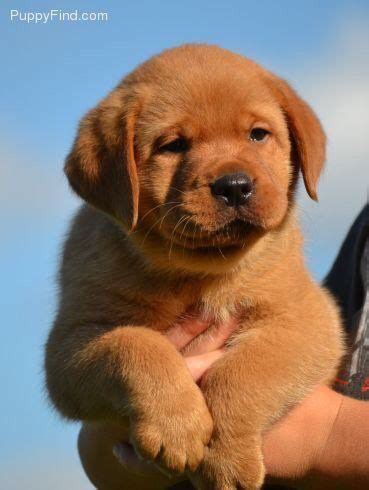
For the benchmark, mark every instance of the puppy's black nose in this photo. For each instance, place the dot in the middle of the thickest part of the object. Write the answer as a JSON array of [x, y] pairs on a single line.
[[233, 189]]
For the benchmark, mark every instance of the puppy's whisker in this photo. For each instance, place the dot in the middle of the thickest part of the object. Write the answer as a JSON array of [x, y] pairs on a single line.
[[186, 216], [184, 227], [194, 236], [175, 189], [172, 235], [161, 219], [221, 253], [150, 230], [185, 241], [156, 207], [168, 212]]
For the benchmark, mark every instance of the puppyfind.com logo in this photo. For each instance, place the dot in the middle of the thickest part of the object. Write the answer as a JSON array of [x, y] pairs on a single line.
[[56, 15]]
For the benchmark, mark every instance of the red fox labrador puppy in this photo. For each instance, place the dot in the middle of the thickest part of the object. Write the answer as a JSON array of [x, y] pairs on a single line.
[[189, 169]]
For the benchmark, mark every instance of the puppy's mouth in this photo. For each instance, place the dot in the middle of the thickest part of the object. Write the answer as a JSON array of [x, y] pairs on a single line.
[[228, 237]]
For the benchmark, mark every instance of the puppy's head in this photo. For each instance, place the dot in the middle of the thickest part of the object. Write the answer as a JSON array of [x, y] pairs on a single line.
[[196, 153]]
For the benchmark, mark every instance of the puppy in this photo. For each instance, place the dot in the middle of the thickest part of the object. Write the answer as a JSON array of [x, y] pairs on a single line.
[[189, 170]]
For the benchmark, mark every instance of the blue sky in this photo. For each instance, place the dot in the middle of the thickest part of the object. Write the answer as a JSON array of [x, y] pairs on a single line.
[[52, 73]]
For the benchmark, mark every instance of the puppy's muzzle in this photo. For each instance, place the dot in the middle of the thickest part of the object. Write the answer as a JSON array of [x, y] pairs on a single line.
[[233, 189]]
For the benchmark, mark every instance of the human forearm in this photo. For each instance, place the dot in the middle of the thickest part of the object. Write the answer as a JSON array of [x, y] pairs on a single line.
[[345, 460], [321, 444]]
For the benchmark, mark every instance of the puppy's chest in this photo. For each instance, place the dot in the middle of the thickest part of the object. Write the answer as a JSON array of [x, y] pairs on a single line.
[[223, 305], [215, 305]]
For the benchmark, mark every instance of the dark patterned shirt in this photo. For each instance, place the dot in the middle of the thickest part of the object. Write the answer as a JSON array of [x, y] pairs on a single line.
[[349, 282]]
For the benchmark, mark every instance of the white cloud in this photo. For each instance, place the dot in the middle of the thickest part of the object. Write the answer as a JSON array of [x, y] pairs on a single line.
[[32, 190], [337, 86]]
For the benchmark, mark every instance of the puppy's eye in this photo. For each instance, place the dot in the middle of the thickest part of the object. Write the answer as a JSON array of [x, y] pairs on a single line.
[[259, 134], [179, 145]]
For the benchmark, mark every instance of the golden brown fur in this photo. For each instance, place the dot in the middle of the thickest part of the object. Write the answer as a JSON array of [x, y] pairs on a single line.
[[153, 244]]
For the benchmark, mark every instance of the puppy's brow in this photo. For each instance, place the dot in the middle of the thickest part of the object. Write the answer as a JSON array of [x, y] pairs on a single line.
[[166, 138]]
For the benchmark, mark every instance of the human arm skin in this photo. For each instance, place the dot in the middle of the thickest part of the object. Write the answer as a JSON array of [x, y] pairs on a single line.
[[323, 443]]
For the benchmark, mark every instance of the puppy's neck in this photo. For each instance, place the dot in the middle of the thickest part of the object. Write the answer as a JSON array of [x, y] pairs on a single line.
[[277, 254]]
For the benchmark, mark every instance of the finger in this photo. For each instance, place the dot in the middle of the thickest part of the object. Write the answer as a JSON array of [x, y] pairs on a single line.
[[198, 365], [127, 457], [213, 340], [183, 333]]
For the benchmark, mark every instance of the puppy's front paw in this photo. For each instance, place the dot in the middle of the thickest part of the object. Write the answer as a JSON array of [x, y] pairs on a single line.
[[173, 432], [236, 467]]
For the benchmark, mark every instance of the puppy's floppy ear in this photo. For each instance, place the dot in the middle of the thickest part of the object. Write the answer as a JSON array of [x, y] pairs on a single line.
[[101, 166], [307, 135]]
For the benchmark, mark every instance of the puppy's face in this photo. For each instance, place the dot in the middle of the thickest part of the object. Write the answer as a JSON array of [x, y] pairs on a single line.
[[214, 168], [198, 152]]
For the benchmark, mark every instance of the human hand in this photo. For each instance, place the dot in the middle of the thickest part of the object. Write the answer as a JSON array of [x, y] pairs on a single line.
[[200, 350], [292, 447], [200, 346]]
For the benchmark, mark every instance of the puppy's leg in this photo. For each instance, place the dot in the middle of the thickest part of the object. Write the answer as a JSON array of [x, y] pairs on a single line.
[[101, 373], [273, 367]]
